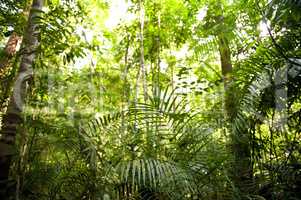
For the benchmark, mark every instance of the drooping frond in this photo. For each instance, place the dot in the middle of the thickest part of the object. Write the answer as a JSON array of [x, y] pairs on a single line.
[[161, 176]]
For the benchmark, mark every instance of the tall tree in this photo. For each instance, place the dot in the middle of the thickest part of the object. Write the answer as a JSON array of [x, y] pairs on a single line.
[[220, 22], [242, 171], [13, 117]]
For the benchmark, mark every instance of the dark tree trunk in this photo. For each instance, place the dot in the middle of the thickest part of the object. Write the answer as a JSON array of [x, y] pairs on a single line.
[[13, 116]]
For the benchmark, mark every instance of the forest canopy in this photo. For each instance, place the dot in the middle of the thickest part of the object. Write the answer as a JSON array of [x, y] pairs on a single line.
[[150, 99]]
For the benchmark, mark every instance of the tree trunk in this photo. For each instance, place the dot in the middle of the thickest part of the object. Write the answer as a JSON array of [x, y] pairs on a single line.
[[141, 71], [142, 65], [242, 169], [13, 117], [226, 67]]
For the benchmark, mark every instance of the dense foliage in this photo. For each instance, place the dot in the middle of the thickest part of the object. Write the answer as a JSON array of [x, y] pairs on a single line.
[[152, 99]]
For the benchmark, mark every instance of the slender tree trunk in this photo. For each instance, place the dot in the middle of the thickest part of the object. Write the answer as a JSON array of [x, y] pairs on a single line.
[[13, 117], [126, 88], [226, 67], [242, 169], [158, 53], [21, 161], [141, 70], [225, 56], [142, 66]]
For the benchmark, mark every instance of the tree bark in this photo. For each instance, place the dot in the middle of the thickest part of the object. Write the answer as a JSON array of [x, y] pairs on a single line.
[[13, 117], [242, 169], [141, 71], [226, 67], [142, 65]]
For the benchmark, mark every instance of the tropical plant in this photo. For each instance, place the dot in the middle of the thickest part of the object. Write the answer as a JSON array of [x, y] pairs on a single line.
[[157, 99]]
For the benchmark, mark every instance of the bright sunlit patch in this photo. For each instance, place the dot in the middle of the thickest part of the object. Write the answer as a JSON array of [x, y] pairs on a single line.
[[202, 13], [263, 28], [85, 33], [97, 115], [181, 53], [119, 12], [82, 62], [163, 66], [10, 28], [45, 9]]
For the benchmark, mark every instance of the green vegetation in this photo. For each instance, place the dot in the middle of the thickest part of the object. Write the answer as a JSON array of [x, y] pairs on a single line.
[[150, 100]]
